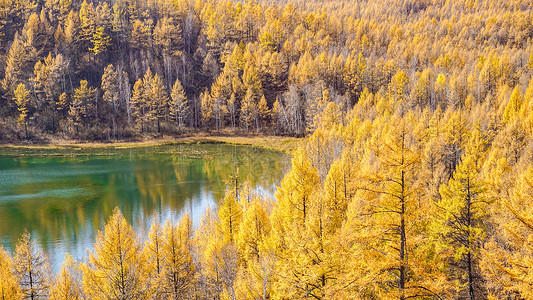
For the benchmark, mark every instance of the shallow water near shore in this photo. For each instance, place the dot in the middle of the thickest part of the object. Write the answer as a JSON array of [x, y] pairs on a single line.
[[63, 197]]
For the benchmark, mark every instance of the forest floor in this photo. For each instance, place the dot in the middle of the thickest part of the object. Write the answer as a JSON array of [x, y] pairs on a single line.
[[279, 143]]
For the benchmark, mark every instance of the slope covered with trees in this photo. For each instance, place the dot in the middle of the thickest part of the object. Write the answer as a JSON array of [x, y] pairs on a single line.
[[126, 68]]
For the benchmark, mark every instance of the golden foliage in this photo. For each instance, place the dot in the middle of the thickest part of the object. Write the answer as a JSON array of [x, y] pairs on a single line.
[[115, 269]]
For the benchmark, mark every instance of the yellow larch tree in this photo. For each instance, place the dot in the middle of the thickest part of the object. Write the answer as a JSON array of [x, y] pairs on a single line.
[[206, 108], [317, 253], [422, 89], [382, 238], [248, 111], [263, 112], [294, 237], [256, 273], [511, 140], [153, 257], [230, 215], [115, 269], [9, 286], [177, 264], [514, 106], [398, 87], [295, 190], [441, 90], [527, 109], [146, 93], [179, 107], [508, 259], [68, 284], [253, 229], [138, 104], [453, 134], [159, 101], [336, 196], [22, 100], [31, 268], [217, 260], [331, 116], [255, 280], [460, 223]]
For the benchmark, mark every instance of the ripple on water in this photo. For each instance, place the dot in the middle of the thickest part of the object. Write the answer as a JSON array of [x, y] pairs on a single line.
[[45, 195]]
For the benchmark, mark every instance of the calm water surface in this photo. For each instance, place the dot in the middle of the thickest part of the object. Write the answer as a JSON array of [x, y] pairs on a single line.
[[64, 197]]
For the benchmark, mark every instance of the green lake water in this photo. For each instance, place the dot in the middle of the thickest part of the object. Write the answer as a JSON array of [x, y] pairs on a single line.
[[63, 197]]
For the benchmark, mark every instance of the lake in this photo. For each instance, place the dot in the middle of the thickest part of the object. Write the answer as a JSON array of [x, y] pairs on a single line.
[[63, 197]]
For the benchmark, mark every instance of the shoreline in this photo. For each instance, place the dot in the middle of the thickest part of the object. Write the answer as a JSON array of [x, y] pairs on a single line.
[[278, 143]]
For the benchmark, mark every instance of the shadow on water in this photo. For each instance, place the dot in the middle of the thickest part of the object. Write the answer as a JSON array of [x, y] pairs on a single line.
[[63, 197]]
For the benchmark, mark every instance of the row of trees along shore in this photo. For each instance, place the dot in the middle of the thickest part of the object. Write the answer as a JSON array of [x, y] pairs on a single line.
[[122, 69], [383, 202]]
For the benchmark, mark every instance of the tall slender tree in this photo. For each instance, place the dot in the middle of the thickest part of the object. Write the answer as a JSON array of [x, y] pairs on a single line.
[[31, 268], [22, 98], [115, 269], [9, 286], [179, 107], [110, 86]]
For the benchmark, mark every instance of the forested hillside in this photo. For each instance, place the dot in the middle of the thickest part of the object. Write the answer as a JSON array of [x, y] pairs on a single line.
[[415, 182], [127, 68]]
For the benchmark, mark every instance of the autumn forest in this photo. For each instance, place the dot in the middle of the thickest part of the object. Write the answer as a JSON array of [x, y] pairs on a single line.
[[414, 180]]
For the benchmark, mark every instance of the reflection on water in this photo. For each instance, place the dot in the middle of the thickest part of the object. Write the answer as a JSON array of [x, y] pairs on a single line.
[[64, 197]]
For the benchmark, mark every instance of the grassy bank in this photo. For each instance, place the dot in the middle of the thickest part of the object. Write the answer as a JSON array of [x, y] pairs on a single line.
[[285, 144]]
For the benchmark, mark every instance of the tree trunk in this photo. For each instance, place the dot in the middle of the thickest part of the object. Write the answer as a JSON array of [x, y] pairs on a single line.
[[402, 240], [32, 296], [469, 255], [114, 122]]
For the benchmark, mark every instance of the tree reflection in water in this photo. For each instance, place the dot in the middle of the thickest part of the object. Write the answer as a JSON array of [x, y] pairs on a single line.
[[64, 197]]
